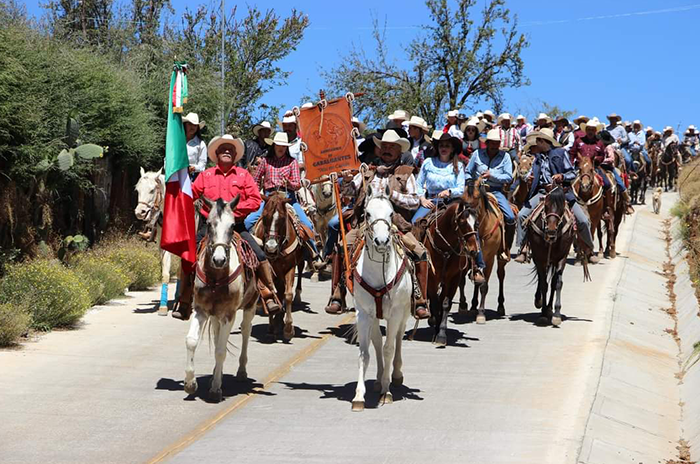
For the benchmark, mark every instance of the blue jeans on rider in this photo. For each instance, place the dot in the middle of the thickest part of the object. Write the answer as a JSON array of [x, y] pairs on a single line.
[[646, 156], [333, 232], [422, 211], [618, 180], [504, 206], [628, 157], [606, 181]]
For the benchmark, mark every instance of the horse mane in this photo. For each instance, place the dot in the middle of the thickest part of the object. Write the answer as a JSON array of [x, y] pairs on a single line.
[[557, 199], [470, 190], [276, 201]]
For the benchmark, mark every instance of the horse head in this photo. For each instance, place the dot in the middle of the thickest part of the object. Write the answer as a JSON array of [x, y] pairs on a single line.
[[150, 189], [465, 224], [476, 196], [378, 217], [586, 174], [525, 166], [554, 210], [220, 225], [327, 189], [274, 220]]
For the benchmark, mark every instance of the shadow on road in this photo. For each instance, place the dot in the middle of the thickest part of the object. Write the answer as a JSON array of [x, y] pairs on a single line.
[[347, 392], [454, 337], [536, 319], [470, 317], [148, 308], [260, 333], [230, 387]]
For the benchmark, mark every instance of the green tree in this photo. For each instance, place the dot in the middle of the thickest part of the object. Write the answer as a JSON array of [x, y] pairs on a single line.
[[458, 61]]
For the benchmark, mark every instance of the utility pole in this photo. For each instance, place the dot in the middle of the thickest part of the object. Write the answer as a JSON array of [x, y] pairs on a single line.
[[223, 58]]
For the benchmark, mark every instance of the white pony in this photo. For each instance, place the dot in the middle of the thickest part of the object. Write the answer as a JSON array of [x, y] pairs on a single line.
[[151, 195], [221, 288], [382, 290]]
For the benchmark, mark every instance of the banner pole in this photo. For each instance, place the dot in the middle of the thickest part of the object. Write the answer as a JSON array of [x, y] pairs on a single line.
[[348, 280]]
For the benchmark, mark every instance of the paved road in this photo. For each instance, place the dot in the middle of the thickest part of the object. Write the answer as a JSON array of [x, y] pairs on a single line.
[[508, 391]]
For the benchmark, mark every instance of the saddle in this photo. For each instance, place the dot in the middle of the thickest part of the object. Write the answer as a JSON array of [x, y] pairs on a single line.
[[531, 222]]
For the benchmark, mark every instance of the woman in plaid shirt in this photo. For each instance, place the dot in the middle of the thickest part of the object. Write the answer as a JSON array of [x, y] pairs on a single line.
[[279, 171]]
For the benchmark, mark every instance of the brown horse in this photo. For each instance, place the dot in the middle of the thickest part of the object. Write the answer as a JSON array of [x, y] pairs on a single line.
[[519, 195], [550, 231], [612, 225], [450, 241], [284, 249], [493, 246], [588, 190]]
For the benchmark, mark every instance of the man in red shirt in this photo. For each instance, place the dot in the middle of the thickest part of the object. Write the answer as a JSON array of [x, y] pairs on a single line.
[[225, 181]]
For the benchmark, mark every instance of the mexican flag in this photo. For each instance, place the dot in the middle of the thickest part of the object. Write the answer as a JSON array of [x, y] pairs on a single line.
[[178, 235]]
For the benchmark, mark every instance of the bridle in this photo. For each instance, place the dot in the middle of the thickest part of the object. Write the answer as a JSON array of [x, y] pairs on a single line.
[[157, 201], [276, 235]]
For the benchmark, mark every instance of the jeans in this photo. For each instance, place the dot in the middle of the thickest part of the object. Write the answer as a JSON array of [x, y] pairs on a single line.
[[504, 205], [582, 222], [422, 211], [618, 180], [606, 181], [333, 232], [628, 158]]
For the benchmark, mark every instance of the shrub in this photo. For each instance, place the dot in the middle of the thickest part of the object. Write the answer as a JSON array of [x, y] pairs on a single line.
[[14, 322], [54, 295], [140, 261], [105, 278]]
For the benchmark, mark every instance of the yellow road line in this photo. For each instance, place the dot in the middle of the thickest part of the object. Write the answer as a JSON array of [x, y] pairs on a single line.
[[274, 376]]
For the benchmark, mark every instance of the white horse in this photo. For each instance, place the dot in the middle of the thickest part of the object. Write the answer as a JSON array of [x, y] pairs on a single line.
[[151, 194], [382, 290], [221, 288]]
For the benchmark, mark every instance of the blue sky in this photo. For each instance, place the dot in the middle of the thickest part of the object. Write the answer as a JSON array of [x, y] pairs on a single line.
[[638, 58]]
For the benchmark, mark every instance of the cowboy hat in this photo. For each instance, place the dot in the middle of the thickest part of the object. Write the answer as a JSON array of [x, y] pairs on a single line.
[[606, 138], [391, 136], [614, 116], [361, 126], [367, 144], [691, 129], [398, 114], [280, 139], [599, 126], [479, 115], [216, 142], [488, 114], [520, 118], [452, 114], [444, 136], [544, 116], [581, 119], [475, 122], [262, 125], [504, 116], [546, 134], [419, 122], [193, 118], [668, 128], [562, 118], [649, 129], [288, 119], [493, 135], [637, 122]]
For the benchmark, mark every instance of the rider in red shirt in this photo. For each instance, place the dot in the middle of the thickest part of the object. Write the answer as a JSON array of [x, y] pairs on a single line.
[[225, 181]]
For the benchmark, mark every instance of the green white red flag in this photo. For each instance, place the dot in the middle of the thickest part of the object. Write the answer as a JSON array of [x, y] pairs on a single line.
[[178, 235]]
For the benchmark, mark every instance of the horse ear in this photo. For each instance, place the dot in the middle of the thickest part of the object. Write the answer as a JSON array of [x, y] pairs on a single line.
[[160, 172], [208, 202], [234, 202], [143, 172]]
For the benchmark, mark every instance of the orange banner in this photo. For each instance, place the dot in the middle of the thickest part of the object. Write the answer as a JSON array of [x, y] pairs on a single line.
[[328, 136]]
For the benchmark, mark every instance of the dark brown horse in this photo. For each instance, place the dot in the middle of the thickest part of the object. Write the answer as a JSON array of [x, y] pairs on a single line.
[[284, 249], [450, 241], [668, 168], [588, 190], [551, 233]]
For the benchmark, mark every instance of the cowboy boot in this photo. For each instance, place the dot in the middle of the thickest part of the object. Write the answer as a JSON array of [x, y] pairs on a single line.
[[183, 307], [522, 254], [510, 235], [628, 202], [478, 276], [335, 304], [422, 311], [266, 286]]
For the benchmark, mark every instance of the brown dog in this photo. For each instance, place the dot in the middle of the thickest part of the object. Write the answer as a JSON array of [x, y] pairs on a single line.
[[657, 199]]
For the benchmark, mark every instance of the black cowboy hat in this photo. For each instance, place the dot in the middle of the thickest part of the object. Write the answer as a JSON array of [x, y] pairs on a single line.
[[456, 143], [367, 145], [606, 138]]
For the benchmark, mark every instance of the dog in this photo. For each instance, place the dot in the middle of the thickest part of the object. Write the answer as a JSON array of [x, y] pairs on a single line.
[[657, 199]]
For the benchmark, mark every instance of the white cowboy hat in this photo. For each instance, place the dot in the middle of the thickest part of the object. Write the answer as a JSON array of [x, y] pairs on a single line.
[[390, 136], [475, 122], [216, 142], [547, 134], [544, 116], [581, 119], [419, 122], [599, 126], [488, 114], [437, 133], [398, 114], [504, 116], [452, 114], [493, 135], [649, 129], [520, 118], [637, 122], [262, 125], [291, 119], [280, 139], [479, 115], [668, 128], [361, 126], [615, 116], [691, 128], [193, 118]]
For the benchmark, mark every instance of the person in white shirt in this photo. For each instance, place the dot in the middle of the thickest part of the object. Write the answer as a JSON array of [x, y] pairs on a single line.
[[289, 126], [196, 148]]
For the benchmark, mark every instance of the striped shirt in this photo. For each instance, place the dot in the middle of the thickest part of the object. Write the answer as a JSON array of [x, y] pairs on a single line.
[[510, 138]]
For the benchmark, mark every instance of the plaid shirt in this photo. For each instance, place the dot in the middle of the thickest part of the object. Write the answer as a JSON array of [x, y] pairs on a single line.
[[273, 171]]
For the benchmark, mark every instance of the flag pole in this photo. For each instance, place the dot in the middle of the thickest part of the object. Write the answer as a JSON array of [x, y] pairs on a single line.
[[223, 59]]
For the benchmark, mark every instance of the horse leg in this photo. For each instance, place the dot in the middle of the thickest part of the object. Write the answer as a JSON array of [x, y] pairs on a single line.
[[441, 338], [501, 272], [392, 327], [475, 299], [363, 330], [463, 307], [542, 284], [222, 332], [297, 293], [556, 318], [246, 327], [481, 316], [396, 372], [376, 337], [165, 278], [194, 335], [288, 331]]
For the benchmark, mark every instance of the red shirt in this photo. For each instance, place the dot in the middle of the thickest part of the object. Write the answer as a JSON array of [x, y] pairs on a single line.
[[589, 148], [213, 183]]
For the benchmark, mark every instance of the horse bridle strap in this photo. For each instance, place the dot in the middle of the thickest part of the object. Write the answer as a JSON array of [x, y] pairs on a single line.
[[378, 294], [589, 202], [215, 284]]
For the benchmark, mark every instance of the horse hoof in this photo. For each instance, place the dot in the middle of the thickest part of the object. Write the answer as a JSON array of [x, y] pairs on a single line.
[[358, 406], [397, 382], [556, 321], [440, 341], [216, 395], [163, 311], [501, 311], [613, 254], [288, 332], [297, 299], [242, 375], [191, 387], [463, 308], [386, 398], [481, 319]]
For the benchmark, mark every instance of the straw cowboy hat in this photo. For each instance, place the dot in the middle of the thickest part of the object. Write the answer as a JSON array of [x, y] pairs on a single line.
[[543, 117], [361, 126], [493, 135], [691, 129], [520, 118], [668, 128], [288, 118], [649, 129], [562, 118], [216, 142], [452, 114], [479, 115], [419, 122], [546, 134], [439, 136], [262, 125], [504, 116], [398, 114], [390, 136], [193, 118], [475, 122], [599, 126], [614, 117], [488, 114], [581, 119], [637, 122], [280, 139]]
